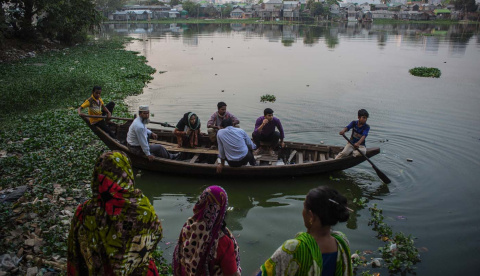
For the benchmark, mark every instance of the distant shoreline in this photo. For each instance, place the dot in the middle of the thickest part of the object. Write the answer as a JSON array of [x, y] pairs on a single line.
[[285, 22]]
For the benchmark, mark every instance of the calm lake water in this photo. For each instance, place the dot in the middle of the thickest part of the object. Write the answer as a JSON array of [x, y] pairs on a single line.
[[321, 76]]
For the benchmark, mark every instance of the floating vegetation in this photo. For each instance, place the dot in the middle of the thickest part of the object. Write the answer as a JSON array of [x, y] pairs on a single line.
[[426, 72], [63, 81], [268, 98], [398, 254], [48, 148]]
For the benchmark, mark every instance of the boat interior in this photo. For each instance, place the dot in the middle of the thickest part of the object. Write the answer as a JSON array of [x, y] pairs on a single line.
[[292, 153]]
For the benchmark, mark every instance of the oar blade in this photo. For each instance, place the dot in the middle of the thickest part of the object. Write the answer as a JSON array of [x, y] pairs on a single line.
[[382, 176]]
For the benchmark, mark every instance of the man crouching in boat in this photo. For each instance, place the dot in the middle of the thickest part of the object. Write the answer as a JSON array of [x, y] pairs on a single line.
[[234, 145], [138, 134]]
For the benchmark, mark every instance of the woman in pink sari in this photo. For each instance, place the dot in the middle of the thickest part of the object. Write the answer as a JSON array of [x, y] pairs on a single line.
[[205, 245]]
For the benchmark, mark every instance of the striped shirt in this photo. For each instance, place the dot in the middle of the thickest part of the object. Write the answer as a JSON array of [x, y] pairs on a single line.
[[233, 143], [94, 108]]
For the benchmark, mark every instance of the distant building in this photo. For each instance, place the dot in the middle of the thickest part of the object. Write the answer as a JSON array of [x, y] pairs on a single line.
[[135, 15], [381, 7], [381, 14], [365, 6], [237, 13]]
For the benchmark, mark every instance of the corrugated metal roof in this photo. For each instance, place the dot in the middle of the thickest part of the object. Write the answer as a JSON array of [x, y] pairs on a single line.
[[274, 2], [138, 11]]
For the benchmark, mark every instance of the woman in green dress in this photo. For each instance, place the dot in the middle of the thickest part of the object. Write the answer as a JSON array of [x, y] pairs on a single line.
[[318, 251], [116, 231]]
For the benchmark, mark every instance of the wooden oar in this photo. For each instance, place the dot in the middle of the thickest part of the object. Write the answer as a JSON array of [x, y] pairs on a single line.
[[380, 174], [128, 119]]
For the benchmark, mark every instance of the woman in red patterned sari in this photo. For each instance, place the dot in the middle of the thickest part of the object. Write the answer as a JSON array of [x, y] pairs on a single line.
[[205, 245]]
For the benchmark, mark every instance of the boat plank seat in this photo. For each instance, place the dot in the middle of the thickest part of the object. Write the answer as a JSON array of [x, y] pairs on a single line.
[[173, 147], [271, 159], [301, 146], [265, 145], [194, 158], [266, 157]]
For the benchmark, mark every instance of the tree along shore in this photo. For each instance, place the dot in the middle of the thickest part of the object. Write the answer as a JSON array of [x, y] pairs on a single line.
[[47, 153]]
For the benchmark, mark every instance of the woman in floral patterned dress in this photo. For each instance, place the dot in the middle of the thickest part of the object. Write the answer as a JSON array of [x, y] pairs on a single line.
[[319, 251], [116, 231]]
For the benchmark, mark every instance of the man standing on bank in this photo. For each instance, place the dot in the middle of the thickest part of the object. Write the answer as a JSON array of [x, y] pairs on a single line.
[[265, 130], [138, 134], [215, 122], [234, 145]]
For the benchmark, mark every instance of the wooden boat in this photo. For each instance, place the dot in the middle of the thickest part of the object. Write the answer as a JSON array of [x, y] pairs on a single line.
[[293, 160]]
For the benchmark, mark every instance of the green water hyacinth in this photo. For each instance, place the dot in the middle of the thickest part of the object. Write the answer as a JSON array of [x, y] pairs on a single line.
[[426, 72], [46, 146], [268, 98]]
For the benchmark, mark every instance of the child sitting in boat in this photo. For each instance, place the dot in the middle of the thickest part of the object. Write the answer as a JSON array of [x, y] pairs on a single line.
[[360, 130]]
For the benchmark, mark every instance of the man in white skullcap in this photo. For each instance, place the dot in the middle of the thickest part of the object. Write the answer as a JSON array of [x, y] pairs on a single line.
[[138, 134]]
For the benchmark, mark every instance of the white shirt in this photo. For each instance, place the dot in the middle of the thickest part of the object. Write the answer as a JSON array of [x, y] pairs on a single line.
[[138, 135]]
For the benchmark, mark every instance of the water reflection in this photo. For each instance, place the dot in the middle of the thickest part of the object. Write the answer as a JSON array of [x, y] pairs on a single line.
[[429, 34]]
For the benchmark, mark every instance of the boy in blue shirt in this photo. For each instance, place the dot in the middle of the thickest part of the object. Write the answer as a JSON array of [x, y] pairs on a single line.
[[360, 130]]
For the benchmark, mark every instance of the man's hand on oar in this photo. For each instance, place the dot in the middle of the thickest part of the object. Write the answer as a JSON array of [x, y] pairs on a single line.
[[380, 174]]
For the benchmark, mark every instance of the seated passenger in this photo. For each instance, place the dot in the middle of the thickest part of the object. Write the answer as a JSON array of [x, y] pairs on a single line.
[[319, 251], [265, 130], [187, 130], [138, 134], [215, 122], [115, 231], [234, 145], [205, 245]]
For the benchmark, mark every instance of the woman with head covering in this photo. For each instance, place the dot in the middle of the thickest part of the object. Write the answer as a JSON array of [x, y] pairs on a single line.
[[319, 251], [205, 245], [188, 129], [116, 231]]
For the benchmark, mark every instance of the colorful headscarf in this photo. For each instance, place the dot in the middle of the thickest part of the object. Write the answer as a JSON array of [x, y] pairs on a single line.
[[302, 256], [196, 250], [114, 232], [186, 120]]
